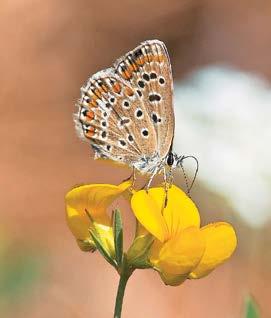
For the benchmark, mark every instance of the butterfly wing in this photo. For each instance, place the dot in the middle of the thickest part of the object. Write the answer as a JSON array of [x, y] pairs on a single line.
[[148, 70], [126, 111], [111, 116]]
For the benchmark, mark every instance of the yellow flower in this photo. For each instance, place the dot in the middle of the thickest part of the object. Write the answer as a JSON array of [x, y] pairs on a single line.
[[181, 248], [86, 209]]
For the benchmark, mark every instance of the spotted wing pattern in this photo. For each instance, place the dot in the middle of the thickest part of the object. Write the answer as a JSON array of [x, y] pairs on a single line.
[[126, 111], [148, 69], [111, 117]]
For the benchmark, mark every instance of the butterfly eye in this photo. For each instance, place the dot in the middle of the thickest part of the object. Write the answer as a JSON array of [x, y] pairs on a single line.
[[170, 159]]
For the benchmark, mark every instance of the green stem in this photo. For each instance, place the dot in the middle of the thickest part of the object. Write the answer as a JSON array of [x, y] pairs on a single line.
[[121, 289]]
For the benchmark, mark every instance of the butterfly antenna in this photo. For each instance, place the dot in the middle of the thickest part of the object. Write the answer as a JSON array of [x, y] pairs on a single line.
[[185, 176], [185, 179]]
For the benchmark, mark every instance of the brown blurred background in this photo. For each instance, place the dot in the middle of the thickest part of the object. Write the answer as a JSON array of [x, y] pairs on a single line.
[[48, 50]]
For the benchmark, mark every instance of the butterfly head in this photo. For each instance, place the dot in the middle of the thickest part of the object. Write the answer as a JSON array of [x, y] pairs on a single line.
[[173, 160]]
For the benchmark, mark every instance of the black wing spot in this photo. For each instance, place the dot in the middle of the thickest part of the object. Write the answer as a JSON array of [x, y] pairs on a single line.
[[130, 138], [104, 134], [139, 93], [139, 113], [145, 132], [154, 118], [154, 97], [146, 77], [138, 53], [161, 80], [141, 84], [122, 142], [124, 121], [126, 104]]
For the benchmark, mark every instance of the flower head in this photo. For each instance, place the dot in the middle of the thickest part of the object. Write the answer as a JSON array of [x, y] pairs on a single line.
[[181, 248], [168, 236]]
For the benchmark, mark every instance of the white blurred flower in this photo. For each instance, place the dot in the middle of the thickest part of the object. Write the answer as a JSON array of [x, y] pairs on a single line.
[[223, 117]]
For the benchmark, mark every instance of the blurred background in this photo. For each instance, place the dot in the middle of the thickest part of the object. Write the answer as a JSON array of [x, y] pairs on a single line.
[[220, 53]]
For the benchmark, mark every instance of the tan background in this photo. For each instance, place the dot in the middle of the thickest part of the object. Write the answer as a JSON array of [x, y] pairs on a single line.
[[48, 49]]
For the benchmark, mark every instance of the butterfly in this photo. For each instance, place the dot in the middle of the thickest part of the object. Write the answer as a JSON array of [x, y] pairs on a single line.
[[126, 111]]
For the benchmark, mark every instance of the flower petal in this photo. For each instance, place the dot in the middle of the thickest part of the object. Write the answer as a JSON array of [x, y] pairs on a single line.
[[173, 280], [220, 244], [78, 223], [180, 254], [95, 198], [180, 212], [148, 211]]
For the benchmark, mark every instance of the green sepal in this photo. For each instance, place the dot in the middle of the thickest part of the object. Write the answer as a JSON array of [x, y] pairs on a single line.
[[101, 249], [118, 236], [86, 245], [251, 308], [138, 253]]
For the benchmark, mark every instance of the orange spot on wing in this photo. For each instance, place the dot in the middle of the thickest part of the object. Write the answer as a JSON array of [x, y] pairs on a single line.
[[90, 114], [159, 58], [126, 74], [129, 91], [90, 132], [117, 87], [147, 59], [132, 67], [139, 61], [150, 58]]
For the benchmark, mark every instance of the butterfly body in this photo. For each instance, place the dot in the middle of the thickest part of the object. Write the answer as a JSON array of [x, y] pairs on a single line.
[[126, 111]]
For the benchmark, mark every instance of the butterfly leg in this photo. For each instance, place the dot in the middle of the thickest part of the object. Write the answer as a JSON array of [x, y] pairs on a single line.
[[166, 187], [148, 184], [133, 178], [168, 180]]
